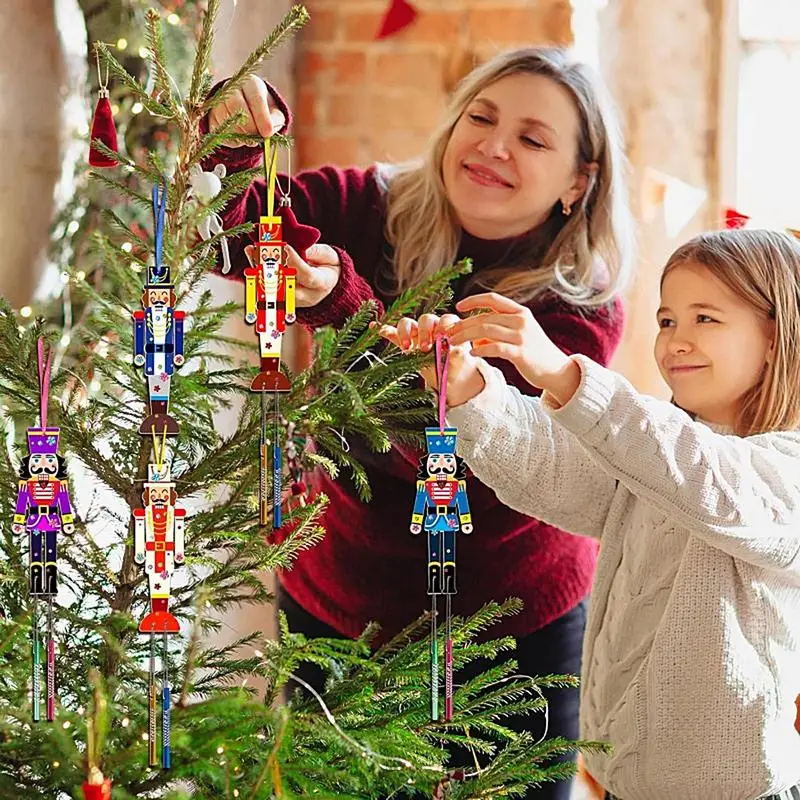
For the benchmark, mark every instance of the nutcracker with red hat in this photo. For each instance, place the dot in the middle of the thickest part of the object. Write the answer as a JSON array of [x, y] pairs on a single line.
[[441, 509], [159, 546], [43, 511], [158, 331]]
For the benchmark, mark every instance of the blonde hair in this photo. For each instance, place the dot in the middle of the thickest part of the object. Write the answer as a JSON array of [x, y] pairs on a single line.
[[570, 250], [763, 269]]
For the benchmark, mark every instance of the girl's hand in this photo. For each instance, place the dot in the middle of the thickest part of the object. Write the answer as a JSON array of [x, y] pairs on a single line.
[[464, 381], [263, 118], [316, 277], [508, 330]]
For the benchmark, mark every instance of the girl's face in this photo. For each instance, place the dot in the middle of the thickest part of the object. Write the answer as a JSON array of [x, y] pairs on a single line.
[[512, 156], [712, 346]]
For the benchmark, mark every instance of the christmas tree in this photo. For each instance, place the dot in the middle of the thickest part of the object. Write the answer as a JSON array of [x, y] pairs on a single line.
[[370, 734]]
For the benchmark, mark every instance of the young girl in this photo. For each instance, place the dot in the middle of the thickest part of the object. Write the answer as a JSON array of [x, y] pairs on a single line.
[[524, 177], [691, 663]]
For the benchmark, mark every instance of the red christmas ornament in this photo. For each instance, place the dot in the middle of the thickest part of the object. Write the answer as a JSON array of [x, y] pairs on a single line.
[[97, 791], [102, 125], [733, 219], [399, 15]]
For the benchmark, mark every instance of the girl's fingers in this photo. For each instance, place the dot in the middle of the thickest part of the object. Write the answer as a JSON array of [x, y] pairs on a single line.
[[408, 331], [307, 276], [490, 300], [428, 326], [447, 321], [388, 332], [486, 330], [493, 350], [322, 254]]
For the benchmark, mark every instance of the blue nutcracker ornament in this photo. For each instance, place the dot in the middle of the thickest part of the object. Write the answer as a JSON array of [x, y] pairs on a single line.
[[158, 332], [441, 509]]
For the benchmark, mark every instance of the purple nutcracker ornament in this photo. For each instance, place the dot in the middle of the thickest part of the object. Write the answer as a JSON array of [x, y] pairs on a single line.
[[43, 511]]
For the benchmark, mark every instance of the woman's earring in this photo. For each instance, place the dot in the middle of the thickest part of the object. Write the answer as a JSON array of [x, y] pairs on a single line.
[[566, 208]]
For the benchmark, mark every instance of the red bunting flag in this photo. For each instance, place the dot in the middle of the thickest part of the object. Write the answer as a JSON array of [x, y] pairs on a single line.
[[735, 219], [399, 15]]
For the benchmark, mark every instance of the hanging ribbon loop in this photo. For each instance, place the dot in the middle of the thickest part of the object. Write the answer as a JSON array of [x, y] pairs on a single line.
[[159, 215], [44, 381], [442, 349], [271, 171], [159, 449]]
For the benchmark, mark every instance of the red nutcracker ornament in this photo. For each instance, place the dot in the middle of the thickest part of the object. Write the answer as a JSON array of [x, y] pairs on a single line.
[[159, 546], [43, 511]]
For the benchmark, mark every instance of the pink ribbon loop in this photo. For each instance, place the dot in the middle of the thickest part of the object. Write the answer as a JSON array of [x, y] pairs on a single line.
[[44, 382], [442, 346]]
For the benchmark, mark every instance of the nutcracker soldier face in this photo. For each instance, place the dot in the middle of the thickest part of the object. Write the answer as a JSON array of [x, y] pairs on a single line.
[[441, 462], [159, 491], [271, 256], [158, 296], [43, 461]]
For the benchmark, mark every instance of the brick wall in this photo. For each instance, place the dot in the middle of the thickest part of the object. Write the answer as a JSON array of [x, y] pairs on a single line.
[[360, 100]]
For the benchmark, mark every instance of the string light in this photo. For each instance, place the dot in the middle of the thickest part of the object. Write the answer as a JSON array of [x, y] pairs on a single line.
[[95, 385], [56, 764], [65, 339], [137, 108], [258, 654], [220, 750], [25, 311], [80, 275], [130, 168], [145, 736], [115, 109], [122, 43], [81, 710], [125, 722], [73, 226], [235, 792], [66, 724], [143, 52], [173, 19], [136, 267], [127, 247]]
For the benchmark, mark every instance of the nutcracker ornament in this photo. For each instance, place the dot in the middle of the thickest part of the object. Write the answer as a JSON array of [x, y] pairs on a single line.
[[158, 331], [43, 510], [270, 307], [441, 509], [159, 546]]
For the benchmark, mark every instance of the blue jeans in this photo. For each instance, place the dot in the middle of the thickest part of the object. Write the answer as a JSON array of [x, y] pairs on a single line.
[[553, 650]]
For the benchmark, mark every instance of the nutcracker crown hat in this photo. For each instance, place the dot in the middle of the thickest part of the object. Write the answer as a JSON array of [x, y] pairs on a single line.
[[159, 473], [270, 230], [441, 441], [43, 441], [43, 438]]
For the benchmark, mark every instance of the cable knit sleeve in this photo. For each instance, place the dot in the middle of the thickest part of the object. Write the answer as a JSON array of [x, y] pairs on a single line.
[[740, 495], [532, 464]]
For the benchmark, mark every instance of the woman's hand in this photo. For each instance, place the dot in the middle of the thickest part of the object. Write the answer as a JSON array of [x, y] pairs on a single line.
[[316, 277], [263, 117], [509, 330], [464, 381]]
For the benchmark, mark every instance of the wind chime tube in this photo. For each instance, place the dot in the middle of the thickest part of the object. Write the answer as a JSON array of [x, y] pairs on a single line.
[[50, 677], [277, 488], [36, 688], [152, 709], [165, 711], [434, 662], [263, 494], [448, 662]]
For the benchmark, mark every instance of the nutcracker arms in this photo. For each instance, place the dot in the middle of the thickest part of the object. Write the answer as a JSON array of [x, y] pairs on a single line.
[[441, 502], [146, 341], [31, 510], [270, 287], [144, 533]]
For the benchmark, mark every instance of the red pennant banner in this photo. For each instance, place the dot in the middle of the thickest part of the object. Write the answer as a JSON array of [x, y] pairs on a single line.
[[399, 15], [735, 219]]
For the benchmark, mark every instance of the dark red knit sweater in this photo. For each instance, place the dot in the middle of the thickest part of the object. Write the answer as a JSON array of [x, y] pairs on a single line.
[[369, 567]]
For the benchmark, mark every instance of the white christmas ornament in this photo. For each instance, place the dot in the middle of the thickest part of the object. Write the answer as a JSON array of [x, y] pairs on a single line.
[[204, 187]]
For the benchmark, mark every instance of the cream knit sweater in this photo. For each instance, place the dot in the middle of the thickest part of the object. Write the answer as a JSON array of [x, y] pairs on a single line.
[[690, 663]]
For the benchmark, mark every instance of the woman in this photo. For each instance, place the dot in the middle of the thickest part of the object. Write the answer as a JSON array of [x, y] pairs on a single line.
[[524, 176]]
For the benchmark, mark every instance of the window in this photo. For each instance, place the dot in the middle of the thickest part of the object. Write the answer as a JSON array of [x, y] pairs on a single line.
[[767, 186]]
